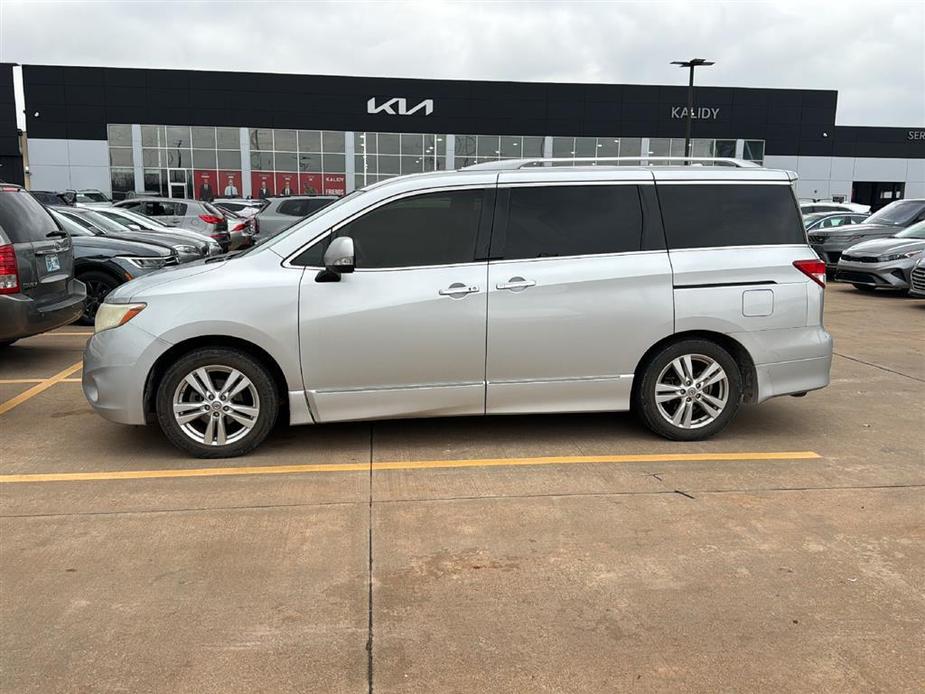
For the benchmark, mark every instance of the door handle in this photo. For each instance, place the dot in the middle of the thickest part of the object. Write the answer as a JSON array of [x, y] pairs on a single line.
[[457, 290], [516, 284]]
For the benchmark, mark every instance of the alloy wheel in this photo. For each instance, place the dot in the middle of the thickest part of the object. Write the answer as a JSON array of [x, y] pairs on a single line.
[[692, 391], [216, 405]]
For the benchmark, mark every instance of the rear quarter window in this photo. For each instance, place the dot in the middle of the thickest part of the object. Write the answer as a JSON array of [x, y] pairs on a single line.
[[23, 219], [709, 215], [293, 208]]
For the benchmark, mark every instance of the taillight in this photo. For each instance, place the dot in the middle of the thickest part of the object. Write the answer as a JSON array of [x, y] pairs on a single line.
[[814, 269], [210, 218], [9, 270], [239, 226]]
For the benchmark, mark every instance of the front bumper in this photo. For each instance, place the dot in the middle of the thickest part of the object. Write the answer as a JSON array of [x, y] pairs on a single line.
[[116, 367], [892, 274], [21, 316]]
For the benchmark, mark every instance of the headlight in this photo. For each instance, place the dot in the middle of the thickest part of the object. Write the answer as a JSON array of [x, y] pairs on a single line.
[[186, 250], [898, 256], [113, 315], [145, 262]]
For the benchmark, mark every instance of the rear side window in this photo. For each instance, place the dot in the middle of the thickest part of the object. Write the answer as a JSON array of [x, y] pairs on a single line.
[[552, 221], [23, 219], [293, 208], [708, 215], [316, 204]]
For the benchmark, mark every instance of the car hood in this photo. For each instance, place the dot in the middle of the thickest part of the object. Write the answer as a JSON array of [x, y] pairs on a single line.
[[886, 246], [130, 290], [113, 245]]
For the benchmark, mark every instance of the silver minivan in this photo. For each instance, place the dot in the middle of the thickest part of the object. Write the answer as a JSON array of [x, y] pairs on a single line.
[[506, 288]]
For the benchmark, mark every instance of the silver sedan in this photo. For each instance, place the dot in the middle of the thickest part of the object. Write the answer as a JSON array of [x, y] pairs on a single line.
[[883, 263]]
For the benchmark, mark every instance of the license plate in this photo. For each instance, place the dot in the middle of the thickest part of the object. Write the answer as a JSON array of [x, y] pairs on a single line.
[[52, 264]]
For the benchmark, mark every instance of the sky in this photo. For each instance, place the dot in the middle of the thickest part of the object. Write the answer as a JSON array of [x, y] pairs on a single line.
[[872, 53]]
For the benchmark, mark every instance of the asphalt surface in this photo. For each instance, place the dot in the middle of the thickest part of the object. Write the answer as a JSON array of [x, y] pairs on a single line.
[[476, 554]]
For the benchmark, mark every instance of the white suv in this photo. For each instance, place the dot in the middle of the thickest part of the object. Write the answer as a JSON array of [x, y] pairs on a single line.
[[515, 287]]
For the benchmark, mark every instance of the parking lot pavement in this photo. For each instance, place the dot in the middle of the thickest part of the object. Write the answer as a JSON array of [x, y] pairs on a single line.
[[505, 554]]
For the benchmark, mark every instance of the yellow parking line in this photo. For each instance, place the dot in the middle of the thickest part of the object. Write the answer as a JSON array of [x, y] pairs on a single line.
[[39, 388], [20, 381], [59, 335], [401, 465]]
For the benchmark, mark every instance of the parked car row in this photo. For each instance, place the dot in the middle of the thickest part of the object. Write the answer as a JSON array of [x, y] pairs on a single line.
[[877, 252]]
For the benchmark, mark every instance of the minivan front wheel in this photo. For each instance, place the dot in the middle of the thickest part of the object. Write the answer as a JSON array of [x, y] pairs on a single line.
[[690, 390], [217, 403]]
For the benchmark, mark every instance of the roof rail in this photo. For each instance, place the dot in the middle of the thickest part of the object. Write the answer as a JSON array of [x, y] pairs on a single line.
[[514, 164]]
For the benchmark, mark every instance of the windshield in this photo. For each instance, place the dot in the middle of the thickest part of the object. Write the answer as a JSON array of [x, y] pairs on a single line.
[[104, 223], [70, 226], [916, 231], [91, 196], [899, 213]]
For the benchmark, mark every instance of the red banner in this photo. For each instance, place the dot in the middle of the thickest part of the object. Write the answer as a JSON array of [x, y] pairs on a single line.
[[309, 183], [229, 184], [335, 184], [205, 185], [287, 184], [262, 185]]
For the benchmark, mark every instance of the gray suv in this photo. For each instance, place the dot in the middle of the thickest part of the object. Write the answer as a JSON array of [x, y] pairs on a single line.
[[680, 292], [38, 291], [282, 213]]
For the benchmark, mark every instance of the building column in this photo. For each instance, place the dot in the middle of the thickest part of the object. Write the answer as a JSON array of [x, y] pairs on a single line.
[[450, 152], [740, 149], [137, 159], [349, 161], [644, 147], [547, 147], [245, 141]]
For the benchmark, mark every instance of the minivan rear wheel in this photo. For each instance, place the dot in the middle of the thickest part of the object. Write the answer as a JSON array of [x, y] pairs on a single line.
[[217, 403], [690, 390]]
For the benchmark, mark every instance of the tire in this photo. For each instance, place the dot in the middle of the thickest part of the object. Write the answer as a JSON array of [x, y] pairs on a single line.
[[200, 436], [865, 288], [99, 284], [660, 374]]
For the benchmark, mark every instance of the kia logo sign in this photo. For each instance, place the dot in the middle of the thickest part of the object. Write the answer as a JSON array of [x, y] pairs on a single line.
[[702, 113], [398, 106]]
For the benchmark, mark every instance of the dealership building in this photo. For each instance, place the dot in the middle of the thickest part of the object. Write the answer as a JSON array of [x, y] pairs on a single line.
[[186, 133]]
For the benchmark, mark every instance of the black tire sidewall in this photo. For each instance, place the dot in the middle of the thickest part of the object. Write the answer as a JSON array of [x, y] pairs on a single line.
[[95, 275], [258, 374], [645, 395]]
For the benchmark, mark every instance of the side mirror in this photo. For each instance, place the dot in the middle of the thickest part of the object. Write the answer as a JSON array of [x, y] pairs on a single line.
[[339, 257]]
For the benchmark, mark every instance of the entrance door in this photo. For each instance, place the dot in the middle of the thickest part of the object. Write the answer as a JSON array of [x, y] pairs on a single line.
[[403, 335], [575, 302], [177, 183]]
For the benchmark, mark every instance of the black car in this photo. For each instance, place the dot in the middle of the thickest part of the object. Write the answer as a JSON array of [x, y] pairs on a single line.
[[38, 291], [102, 263]]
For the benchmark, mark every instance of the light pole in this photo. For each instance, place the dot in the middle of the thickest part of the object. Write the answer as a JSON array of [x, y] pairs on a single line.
[[692, 63]]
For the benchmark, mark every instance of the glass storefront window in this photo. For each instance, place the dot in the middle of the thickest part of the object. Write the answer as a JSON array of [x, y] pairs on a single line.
[[152, 157], [155, 181], [120, 156], [608, 147], [262, 161], [309, 162], [228, 159], [309, 141], [333, 163], [203, 138], [585, 147], [228, 138], [388, 143], [725, 148], [153, 136], [284, 140], [488, 147], [123, 182], [120, 135], [178, 136], [659, 147], [204, 158], [286, 161], [533, 146], [178, 158], [261, 138], [412, 144], [753, 150], [511, 147], [563, 147], [702, 148], [332, 141]]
